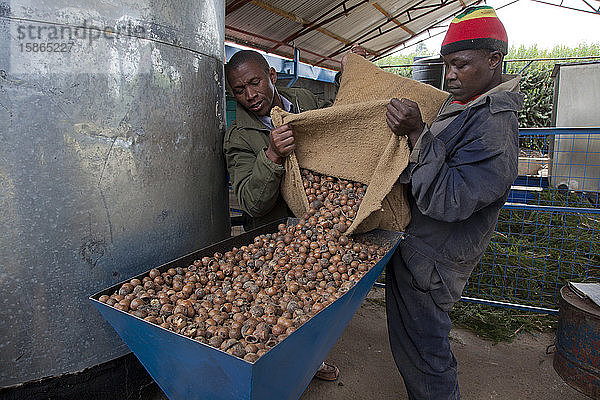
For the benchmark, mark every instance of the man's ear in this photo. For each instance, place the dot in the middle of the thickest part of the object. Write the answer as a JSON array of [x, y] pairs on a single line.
[[495, 59], [273, 75]]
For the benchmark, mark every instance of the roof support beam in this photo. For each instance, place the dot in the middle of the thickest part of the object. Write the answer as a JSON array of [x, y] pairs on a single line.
[[394, 20], [365, 37], [592, 7], [315, 25], [386, 50], [273, 41], [375, 29], [292, 17], [597, 12]]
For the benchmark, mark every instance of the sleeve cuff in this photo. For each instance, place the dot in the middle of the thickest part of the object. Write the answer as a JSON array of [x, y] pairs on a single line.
[[425, 138], [272, 166]]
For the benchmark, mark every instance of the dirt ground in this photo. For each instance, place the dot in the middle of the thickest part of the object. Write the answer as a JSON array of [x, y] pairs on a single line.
[[518, 370]]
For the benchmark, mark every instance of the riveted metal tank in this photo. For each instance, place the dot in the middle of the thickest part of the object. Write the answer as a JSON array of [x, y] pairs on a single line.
[[111, 124]]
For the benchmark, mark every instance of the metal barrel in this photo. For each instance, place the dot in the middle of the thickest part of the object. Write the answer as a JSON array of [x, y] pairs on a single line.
[[577, 356], [429, 70], [111, 124]]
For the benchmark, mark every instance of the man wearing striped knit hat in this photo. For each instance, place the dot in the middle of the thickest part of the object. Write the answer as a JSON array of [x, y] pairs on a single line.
[[459, 174]]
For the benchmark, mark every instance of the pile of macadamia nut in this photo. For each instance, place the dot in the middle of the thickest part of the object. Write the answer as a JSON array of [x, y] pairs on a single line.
[[248, 299]]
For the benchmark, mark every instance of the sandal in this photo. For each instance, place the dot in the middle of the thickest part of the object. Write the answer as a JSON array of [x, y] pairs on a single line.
[[327, 372]]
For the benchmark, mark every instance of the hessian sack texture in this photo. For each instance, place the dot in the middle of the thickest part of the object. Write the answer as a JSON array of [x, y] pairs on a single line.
[[351, 140]]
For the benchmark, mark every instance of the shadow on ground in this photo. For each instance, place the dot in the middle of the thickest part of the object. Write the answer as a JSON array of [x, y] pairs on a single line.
[[518, 370]]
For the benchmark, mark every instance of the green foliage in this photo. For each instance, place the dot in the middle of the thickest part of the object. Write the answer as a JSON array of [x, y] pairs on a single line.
[[495, 323], [537, 107], [499, 324], [403, 63], [582, 50]]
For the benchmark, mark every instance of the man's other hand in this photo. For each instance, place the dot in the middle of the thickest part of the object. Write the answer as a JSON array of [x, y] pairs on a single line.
[[281, 143], [404, 119]]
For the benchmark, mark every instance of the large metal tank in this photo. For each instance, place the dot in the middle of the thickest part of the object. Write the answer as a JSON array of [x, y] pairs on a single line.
[[111, 124]]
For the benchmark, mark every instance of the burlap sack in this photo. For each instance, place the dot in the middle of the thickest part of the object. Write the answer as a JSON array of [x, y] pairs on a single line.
[[351, 140]]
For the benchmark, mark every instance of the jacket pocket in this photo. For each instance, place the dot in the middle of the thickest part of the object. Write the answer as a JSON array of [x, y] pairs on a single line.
[[443, 282]]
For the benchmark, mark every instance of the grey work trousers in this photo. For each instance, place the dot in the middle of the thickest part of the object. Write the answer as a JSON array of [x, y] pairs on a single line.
[[418, 331]]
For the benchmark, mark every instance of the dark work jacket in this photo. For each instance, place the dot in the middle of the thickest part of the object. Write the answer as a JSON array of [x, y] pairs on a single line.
[[459, 179]]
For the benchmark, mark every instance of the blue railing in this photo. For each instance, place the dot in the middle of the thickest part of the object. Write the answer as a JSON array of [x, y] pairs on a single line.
[[548, 232]]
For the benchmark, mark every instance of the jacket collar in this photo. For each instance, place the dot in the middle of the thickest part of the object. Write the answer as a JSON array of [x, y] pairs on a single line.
[[510, 83], [246, 119]]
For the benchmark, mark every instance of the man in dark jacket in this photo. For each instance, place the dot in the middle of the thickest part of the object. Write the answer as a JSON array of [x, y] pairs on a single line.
[[255, 151], [459, 174]]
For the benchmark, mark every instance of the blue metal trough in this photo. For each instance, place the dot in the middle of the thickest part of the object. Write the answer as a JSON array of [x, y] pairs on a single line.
[[187, 369]]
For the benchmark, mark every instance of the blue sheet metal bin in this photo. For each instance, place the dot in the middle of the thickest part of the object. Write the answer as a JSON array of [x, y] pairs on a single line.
[[187, 369]]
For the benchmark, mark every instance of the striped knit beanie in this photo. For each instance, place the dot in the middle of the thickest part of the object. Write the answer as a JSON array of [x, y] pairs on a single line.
[[475, 28]]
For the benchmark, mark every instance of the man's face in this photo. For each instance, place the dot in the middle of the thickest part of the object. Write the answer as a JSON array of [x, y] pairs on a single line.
[[470, 72], [253, 87]]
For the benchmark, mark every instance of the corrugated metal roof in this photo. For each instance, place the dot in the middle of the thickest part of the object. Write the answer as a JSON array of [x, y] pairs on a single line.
[[323, 30]]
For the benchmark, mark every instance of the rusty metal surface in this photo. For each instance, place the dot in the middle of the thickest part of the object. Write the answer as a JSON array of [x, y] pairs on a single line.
[[111, 124], [577, 356]]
